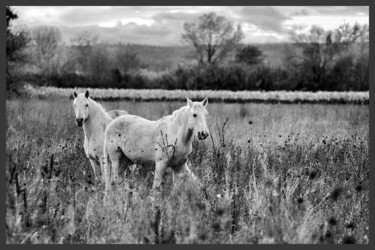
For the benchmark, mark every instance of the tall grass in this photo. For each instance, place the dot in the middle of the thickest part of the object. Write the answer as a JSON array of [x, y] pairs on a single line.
[[267, 174]]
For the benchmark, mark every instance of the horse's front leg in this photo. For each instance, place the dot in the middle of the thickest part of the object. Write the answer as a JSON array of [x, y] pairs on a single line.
[[107, 170], [115, 165], [96, 168], [177, 174], [184, 172], [189, 172], [158, 179]]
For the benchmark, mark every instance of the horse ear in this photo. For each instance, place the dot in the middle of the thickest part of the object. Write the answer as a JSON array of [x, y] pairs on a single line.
[[75, 94], [205, 102], [189, 102], [87, 94]]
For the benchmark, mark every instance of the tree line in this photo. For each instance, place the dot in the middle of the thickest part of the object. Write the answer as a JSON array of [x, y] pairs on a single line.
[[314, 60]]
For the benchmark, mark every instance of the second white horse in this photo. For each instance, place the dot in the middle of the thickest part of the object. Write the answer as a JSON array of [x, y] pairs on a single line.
[[94, 119], [165, 143]]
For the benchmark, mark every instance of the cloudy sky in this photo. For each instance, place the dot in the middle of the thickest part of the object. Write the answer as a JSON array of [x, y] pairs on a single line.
[[160, 25]]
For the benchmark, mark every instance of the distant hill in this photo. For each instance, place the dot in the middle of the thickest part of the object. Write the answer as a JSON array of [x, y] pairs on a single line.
[[160, 58]]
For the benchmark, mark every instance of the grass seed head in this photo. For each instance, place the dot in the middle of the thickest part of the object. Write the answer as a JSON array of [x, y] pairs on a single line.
[[328, 234], [220, 211], [300, 200], [332, 221], [312, 175], [359, 188], [348, 240], [216, 226], [335, 194]]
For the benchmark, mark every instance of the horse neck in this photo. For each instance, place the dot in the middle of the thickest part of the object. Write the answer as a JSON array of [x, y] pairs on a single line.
[[97, 120], [184, 134]]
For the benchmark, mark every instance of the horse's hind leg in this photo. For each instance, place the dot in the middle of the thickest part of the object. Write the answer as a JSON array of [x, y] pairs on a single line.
[[116, 158], [124, 163]]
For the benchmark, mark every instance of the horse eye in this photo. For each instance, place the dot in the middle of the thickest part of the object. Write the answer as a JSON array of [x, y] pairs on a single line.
[[87, 105], [195, 115]]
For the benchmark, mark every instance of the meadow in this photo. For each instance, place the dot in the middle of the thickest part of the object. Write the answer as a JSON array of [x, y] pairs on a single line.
[[268, 174]]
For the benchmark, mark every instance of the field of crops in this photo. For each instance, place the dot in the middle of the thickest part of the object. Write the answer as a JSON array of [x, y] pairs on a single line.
[[270, 173], [213, 96]]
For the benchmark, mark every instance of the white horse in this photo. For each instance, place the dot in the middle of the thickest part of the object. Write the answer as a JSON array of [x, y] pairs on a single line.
[[165, 143], [94, 119]]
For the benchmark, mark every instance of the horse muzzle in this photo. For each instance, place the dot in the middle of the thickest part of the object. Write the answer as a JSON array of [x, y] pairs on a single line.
[[79, 122], [202, 135]]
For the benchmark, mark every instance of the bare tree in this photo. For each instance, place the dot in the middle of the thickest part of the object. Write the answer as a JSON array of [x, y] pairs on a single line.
[[364, 39], [250, 54], [16, 45], [83, 42], [46, 44], [316, 51], [213, 37], [16, 41], [99, 62], [346, 35], [127, 60]]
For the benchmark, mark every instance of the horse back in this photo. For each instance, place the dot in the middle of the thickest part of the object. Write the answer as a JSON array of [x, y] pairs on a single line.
[[116, 113]]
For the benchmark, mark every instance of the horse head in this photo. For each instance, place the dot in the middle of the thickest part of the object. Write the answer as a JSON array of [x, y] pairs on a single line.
[[81, 107], [197, 118]]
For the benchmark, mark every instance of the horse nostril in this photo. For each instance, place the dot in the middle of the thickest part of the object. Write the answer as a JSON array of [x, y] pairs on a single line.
[[202, 135], [79, 120]]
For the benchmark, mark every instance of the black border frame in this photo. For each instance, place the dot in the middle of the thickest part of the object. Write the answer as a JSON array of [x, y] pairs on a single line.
[[370, 3]]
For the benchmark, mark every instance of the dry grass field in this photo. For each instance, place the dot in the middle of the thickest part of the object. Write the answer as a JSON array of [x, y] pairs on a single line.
[[269, 173]]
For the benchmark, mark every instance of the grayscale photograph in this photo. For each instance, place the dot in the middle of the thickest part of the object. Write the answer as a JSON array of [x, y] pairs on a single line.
[[187, 125]]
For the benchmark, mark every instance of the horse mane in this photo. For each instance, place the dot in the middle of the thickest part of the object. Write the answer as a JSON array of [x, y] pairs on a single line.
[[177, 114], [100, 108]]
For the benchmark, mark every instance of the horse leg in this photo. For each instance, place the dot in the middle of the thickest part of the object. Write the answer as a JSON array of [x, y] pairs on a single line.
[[124, 163], [103, 170], [107, 172], [116, 158], [189, 172], [95, 168], [192, 176], [177, 175], [158, 180], [106, 166]]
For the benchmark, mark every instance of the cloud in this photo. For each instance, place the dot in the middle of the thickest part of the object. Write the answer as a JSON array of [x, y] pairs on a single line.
[[163, 25], [300, 12], [82, 15], [327, 10], [176, 16], [94, 15], [266, 18], [158, 34]]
